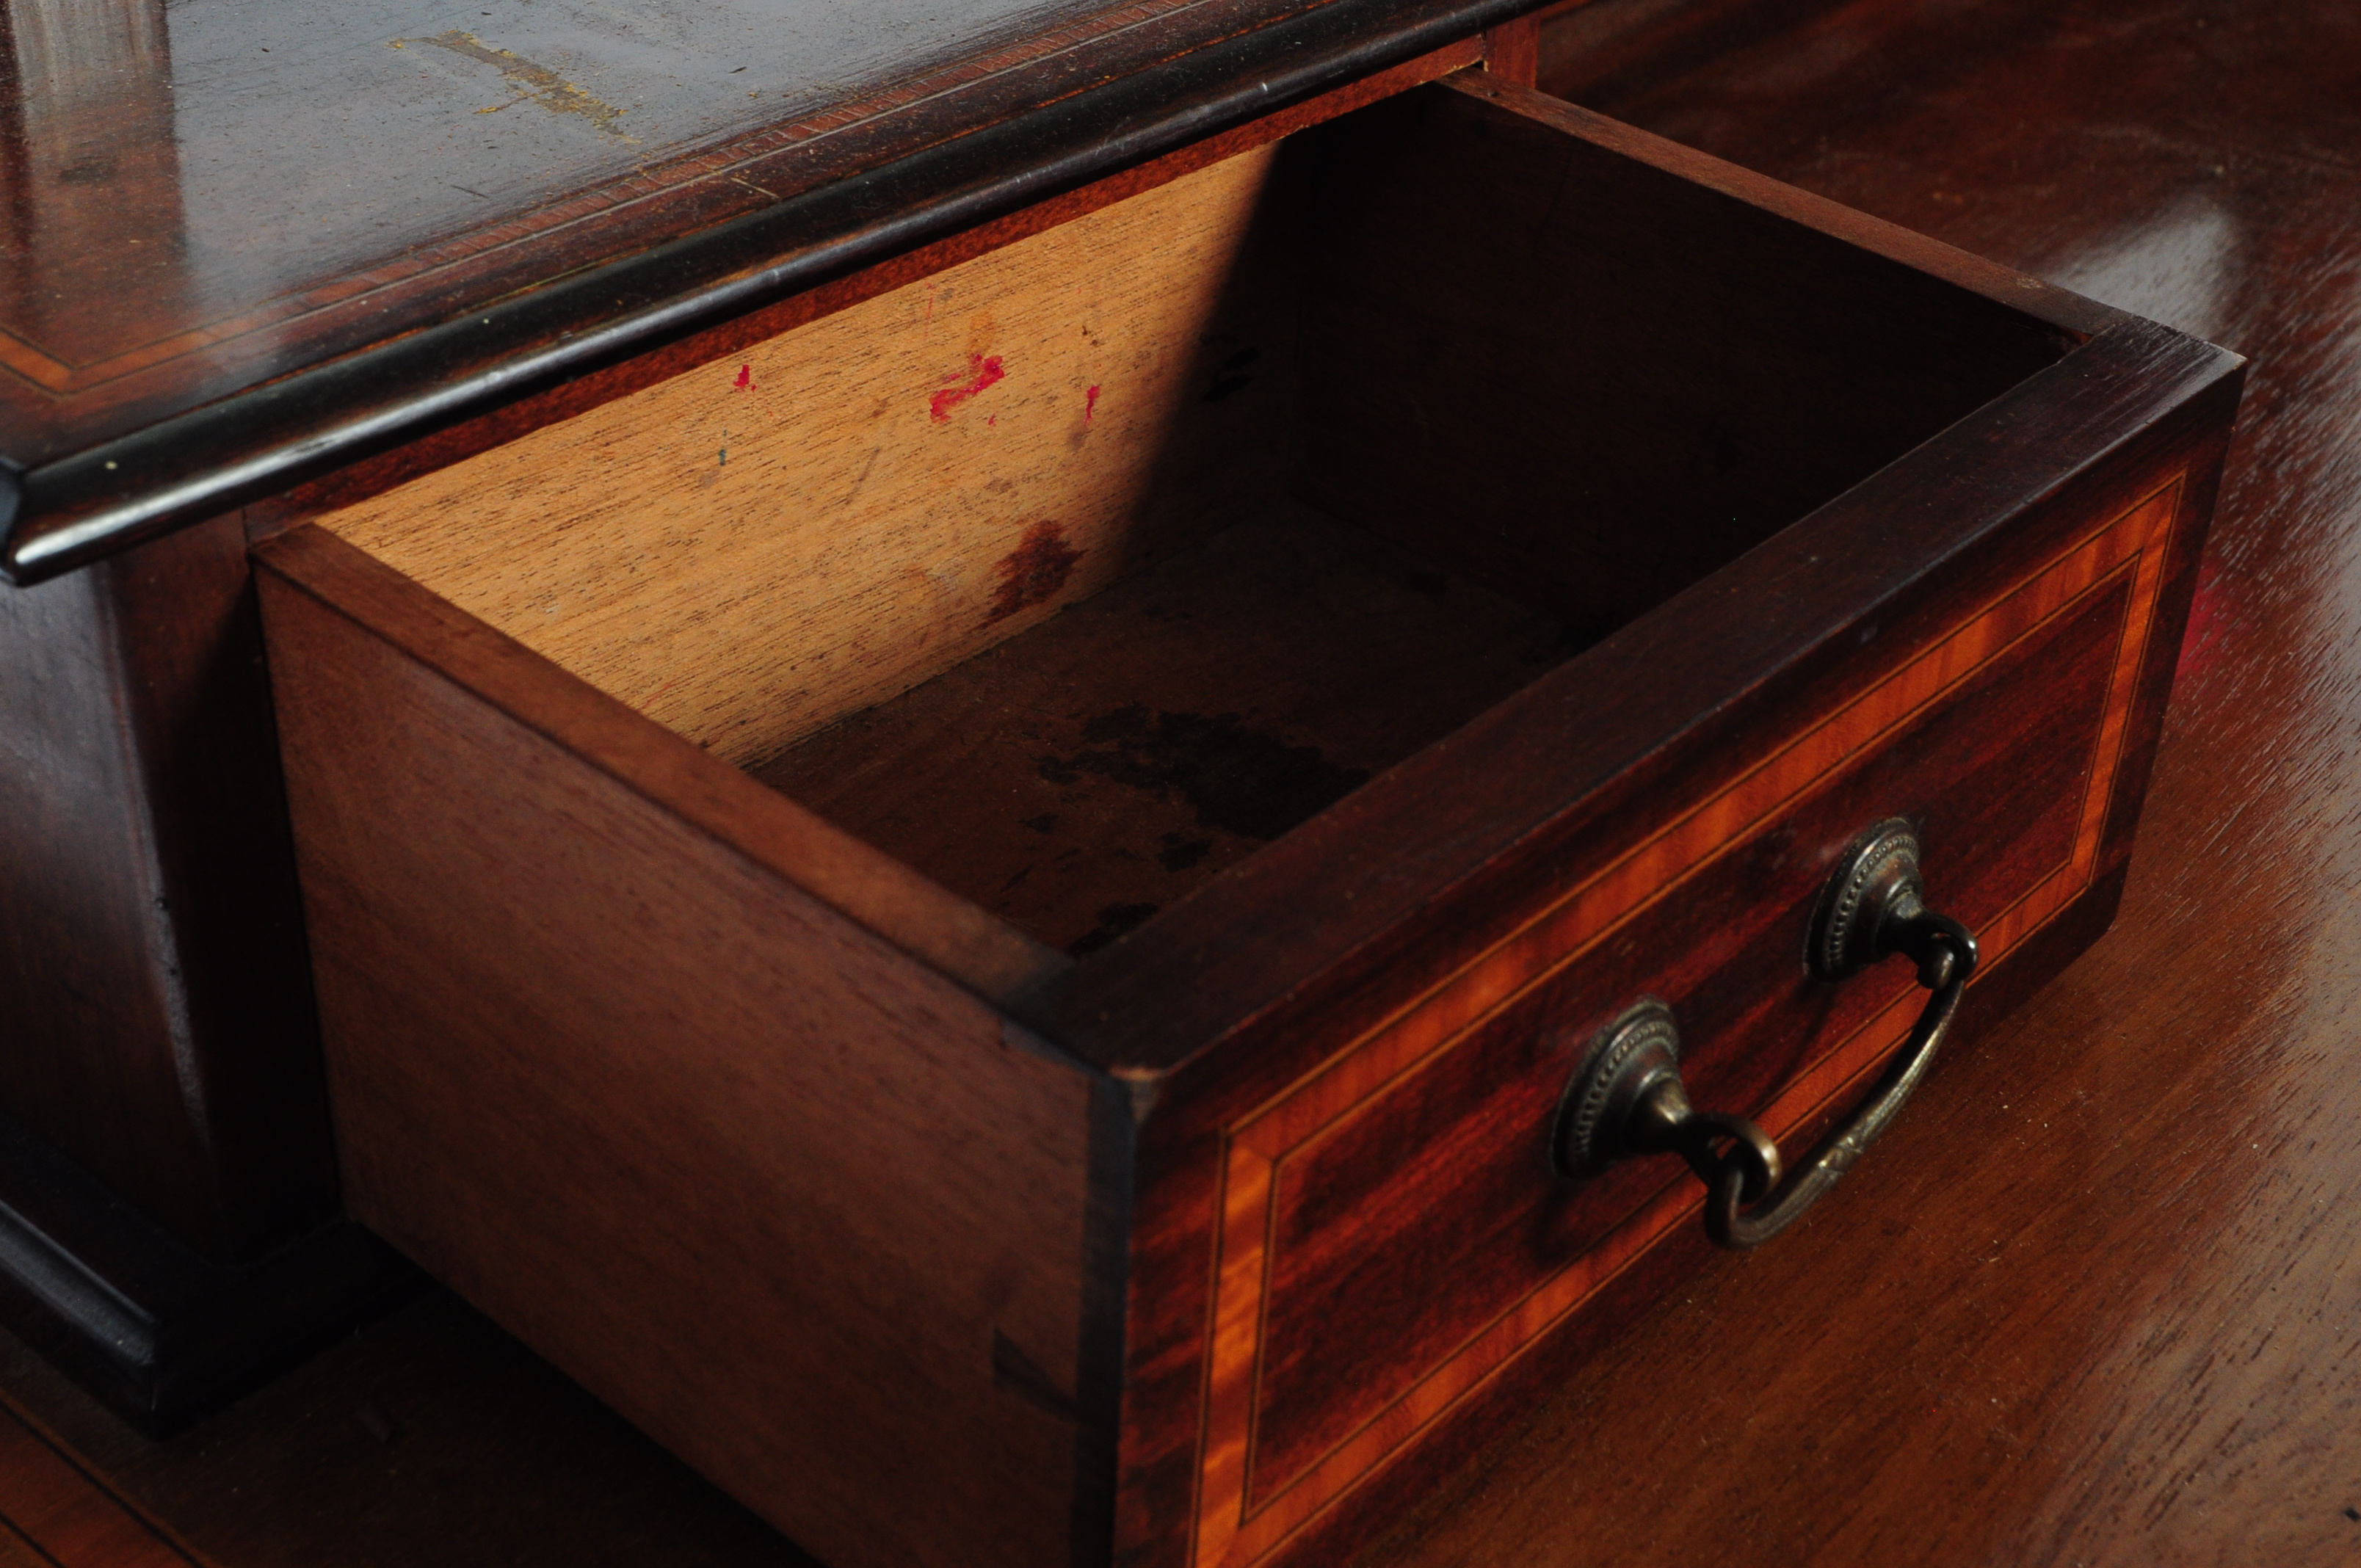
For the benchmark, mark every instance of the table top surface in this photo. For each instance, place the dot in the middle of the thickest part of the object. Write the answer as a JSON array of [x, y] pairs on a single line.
[[2096, 1299], [244, 241]]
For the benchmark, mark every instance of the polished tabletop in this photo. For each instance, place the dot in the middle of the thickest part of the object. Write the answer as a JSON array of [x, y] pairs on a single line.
[[243, 242], [2097, 1298], [191, 174], [197, 181]]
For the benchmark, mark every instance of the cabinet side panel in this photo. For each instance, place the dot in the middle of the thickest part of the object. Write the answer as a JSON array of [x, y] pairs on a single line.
[[153, 1001], [80, 976], [811, 1215]]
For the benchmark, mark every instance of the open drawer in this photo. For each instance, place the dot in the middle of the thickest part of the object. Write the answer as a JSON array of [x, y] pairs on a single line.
[[978, 910]]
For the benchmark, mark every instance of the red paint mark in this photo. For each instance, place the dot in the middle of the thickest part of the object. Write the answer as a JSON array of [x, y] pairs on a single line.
[[746, 378], [984, 373], [993, 420], [1033, 572], [1089, 404]]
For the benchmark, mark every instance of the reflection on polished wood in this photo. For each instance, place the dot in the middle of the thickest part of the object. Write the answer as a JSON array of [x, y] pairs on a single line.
[[243, 246], [2095, 1298], [207, 194]]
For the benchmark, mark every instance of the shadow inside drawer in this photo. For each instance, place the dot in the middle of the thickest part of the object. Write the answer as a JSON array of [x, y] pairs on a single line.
[[1074, 572], [1078, 777]]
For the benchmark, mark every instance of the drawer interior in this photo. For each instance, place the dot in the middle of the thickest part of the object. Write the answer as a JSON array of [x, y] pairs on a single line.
[[1074, 572]]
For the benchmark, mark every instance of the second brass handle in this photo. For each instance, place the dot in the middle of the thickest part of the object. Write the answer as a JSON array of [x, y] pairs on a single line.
[[1628, 1099]]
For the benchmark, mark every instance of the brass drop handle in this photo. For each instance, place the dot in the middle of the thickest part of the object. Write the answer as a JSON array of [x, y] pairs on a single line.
[[1628, 1100]]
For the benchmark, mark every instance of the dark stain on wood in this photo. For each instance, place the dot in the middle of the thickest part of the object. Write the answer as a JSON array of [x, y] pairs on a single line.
[[1034, 572], [1231, 375], [1114, 920], [1179, 851], [1308, 634], [1241, 780]]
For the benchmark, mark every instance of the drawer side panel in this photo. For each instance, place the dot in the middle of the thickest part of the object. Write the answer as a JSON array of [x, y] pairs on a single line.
[[642, 1099]]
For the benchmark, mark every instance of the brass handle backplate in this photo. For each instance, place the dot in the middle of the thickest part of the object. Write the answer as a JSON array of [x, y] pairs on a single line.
[[1628, 1100]]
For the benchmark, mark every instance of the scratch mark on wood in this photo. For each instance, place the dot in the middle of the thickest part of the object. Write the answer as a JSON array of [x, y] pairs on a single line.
[[536, 83]]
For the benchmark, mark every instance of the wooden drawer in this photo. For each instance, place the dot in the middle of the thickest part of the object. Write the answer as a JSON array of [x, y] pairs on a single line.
[[974, 902]]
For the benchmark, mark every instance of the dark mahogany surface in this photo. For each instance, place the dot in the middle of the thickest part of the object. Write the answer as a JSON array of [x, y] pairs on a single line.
[[2094, 1299], [200, 173], [203, 206]]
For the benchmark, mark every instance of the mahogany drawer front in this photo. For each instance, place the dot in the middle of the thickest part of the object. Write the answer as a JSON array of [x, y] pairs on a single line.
[[1420, 1152], [1379, 602]]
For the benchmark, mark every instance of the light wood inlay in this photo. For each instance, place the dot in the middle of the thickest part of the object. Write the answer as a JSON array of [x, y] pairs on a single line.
[[1238, 1525]]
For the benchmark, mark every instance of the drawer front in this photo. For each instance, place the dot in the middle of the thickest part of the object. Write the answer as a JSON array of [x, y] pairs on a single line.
[[1392, 1234]]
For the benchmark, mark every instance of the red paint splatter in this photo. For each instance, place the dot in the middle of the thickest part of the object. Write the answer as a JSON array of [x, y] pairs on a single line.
[[1033, 572], [993, 420], [746, 378], [984, 373], [1089, 404]]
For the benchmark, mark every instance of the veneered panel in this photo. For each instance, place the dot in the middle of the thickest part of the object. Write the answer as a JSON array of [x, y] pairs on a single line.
[[1429, 1212], [2066, 644]]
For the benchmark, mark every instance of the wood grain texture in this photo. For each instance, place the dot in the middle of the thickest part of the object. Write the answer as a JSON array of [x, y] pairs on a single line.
[[55, 1514], [1415, 1155], [2096, 1303], [561, 1077], [811, 526], [427, 1436], [1657, 738], [1604, 765], [2104, 1313], [673, 140], [684, 238], [1512, 50], [482, 433], [152, 972], [939, 928], [1657, 707], [1280, 1040], [1079, 778]]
